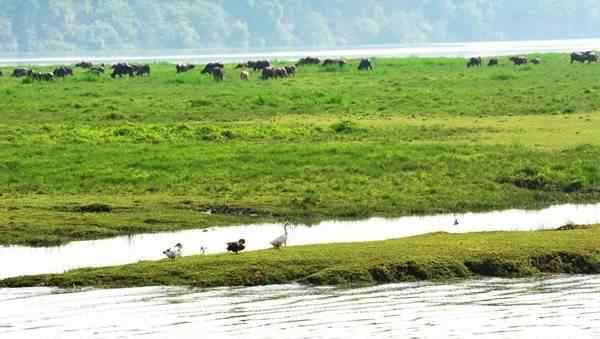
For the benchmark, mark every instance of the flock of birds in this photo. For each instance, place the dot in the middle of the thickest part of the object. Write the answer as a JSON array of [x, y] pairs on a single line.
[[233, 247]]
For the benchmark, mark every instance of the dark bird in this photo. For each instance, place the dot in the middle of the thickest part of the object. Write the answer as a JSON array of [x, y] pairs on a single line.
[[236, 247]]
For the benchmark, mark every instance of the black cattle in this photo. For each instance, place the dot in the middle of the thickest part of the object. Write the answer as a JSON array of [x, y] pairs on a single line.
[[493, 62], [141, 70], [308, 61], [241, 65], [259, 65], [218, 73], [236, 247], [84, 64], [365, 65], [209, 68], [46, 76], [182, 68], [274, 73], [334, 62], [474, 62], [588, 56], [519, 60], [290, 70], [536, 61], [21, 72], [121, 69], [63, 71]]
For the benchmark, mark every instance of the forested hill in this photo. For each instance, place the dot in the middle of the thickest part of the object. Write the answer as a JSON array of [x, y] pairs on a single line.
[[62, 25]]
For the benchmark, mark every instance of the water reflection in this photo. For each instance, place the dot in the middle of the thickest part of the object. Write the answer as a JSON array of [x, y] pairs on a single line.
[[18, 260], [555, 307]]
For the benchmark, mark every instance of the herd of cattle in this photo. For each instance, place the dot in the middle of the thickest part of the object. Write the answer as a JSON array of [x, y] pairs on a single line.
[[266, 68], [582, 57]]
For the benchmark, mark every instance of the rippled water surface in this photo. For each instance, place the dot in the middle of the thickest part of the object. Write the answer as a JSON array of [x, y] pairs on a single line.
[[18, 260], [555, 307]]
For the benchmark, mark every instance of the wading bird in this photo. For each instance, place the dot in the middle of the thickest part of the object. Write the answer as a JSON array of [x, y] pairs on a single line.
[[174, 251], [282, 239]]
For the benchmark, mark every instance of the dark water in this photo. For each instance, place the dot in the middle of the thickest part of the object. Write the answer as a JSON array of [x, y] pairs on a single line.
[[18, 260], [491, 48], [555, 307]]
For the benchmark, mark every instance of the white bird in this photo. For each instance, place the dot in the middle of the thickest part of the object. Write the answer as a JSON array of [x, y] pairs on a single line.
[[282, 239], [174, 251]]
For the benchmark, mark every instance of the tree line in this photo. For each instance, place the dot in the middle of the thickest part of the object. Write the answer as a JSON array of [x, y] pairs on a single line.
[[104, 25]]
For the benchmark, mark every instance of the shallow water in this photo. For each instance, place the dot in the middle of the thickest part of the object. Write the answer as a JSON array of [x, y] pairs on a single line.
[[20, 260], [486, 48], [554, 307]]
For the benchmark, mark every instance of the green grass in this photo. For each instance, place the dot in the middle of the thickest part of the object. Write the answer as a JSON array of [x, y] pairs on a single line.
[[416, 136], [438, 256]]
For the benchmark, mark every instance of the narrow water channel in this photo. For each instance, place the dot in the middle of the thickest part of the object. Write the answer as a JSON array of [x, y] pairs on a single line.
[[19, 260], [553, 307]]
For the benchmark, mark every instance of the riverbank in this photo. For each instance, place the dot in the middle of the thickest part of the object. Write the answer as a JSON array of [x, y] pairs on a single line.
[[87, 158], [438, 256]]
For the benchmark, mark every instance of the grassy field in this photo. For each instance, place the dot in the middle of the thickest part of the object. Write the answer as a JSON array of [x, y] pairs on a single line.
[[432, 257], [415, 136]]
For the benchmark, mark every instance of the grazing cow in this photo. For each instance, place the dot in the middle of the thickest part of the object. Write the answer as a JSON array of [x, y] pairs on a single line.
[[218, 73], [241, 65], [519, 60], [588, 56], [290, 70], [121, 69], [244, 76], [46, 76], [259, 65], [365, 65], [84, 64], [210, 67], [474, 62], [21, 72], [141, 70], [493, 62], [62, 72], [182, 68], [308, 61], [334, 62], [536, 61]]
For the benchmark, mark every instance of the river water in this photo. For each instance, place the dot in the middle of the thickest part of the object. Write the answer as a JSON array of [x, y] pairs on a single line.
[[489, 48], [552, 307], [20, 260]]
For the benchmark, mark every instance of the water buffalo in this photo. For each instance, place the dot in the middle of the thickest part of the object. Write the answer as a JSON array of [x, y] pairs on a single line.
[[259, 65], [493, 62], [62, 72], [218, 73], [519, 60], [273, 73], [474, 62], [210, 67], [21, 72], [84, 64], [244, 75], [334, 62], [121, 69], [182, 68], [588, 56], [46, 76], [308, 61], [365, 65], [290, 70], [141, 70]]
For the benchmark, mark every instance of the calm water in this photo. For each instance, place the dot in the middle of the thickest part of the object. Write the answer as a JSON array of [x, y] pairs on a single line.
[[404, 50], [556, 307], [17, 260]]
